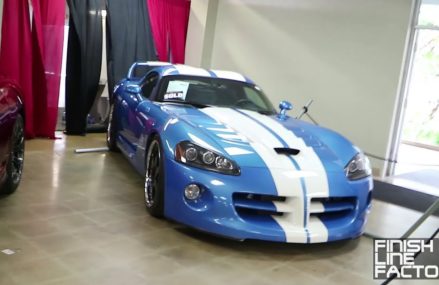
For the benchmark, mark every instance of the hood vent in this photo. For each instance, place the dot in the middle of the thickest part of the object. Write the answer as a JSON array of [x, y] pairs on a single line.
[[287, 151]]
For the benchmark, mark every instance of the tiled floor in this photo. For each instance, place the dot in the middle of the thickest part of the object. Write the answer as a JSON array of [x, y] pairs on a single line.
[[79, 219]]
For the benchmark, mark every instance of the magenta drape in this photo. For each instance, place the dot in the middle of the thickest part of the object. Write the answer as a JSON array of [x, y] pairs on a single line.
[[169, 21], [178, 29], [50, 30], [16, 52], [158, 17], [31, 55]]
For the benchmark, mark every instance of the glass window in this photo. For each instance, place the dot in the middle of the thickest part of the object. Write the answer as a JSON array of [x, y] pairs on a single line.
[[206, 91], [428, 14], [149, 84], [422, 110], [253, 96]]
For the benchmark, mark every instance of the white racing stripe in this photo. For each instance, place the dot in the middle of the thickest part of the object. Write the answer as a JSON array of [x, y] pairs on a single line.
[[280, 167], [222, 130], [232, 137], [316, 185], [317, 207], [202, 143], [229, 75], [189, 70], [317, 230], [234, 151]]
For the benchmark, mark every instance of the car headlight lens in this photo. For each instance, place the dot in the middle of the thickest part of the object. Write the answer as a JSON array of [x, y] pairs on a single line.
[[358, 167], [191, 154], [208, 157], [197, 156]]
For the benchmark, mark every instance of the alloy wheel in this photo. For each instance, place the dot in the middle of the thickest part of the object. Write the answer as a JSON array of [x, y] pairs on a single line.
[[153, 175]]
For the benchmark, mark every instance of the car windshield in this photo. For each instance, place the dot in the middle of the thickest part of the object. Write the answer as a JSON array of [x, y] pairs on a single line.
[[206, 91]]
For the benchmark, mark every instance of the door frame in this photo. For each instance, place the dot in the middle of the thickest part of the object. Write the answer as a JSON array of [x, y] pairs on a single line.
[[402, 93]]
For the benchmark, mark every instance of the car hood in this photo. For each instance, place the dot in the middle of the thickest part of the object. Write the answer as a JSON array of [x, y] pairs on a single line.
[[254, 140]]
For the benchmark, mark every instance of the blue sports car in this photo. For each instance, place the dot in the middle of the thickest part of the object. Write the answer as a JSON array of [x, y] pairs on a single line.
[[216, 156]]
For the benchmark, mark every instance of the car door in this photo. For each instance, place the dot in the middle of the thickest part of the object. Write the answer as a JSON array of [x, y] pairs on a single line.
[[128, 101], [143, 122], [135, 93]]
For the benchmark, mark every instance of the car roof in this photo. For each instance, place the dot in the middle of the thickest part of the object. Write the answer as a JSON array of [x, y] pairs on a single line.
[[166, 69]]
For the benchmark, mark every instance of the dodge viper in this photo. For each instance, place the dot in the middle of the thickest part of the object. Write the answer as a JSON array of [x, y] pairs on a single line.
[[11, 136], [218, 157]]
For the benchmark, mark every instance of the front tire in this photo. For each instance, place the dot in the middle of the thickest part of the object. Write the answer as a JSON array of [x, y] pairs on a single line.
[[14, 168], [154, 179], [111, 131]]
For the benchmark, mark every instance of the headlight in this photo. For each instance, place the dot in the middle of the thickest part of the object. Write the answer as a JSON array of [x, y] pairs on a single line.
[[197, 156], [358, 167]]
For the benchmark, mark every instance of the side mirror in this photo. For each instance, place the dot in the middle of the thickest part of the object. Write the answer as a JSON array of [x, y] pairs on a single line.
[[284, 106], [133, 88]]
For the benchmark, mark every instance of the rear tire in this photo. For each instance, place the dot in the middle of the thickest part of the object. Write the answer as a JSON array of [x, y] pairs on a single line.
[[154, 179], [111, 131], [14, 167]]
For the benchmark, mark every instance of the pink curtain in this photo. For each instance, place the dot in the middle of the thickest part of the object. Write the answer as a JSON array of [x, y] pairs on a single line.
[[49, 24], [169, 21], [39, 86], [16, 53], [158, 17], [32, 57], [178, 28]]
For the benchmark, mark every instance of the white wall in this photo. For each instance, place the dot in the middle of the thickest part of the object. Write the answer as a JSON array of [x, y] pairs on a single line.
[[344, 54], [201, 30], [196, 31]]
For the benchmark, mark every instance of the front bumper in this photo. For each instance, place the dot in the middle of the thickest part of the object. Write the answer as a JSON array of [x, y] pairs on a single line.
[[248, 207]]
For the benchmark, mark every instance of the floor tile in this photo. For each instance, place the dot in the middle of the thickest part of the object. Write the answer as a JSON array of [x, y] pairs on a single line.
[[80, 219]]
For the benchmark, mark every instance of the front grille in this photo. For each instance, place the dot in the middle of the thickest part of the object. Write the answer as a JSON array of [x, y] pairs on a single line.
[[256, 204], [259, 208], [332, 208]]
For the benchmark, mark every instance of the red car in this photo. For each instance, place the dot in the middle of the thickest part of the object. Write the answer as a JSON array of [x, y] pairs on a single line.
[[11, 136]]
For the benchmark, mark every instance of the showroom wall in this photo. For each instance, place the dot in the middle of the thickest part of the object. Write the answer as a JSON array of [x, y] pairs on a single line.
[[344, 54]]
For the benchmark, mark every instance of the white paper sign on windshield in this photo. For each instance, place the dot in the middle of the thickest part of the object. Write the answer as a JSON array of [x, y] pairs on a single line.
[[176, 90]]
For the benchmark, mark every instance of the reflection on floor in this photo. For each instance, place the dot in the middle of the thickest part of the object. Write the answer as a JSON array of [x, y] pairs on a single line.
[[428, 177], [80, 219], [417, 169], [413, 158], [392, 221], [422, 180]]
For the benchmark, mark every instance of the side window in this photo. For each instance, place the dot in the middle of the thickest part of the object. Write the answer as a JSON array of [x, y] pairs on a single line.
[[254, 97], [149, 84]]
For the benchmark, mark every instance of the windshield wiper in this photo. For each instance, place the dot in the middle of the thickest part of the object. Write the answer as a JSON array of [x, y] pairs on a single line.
[[195, 104]]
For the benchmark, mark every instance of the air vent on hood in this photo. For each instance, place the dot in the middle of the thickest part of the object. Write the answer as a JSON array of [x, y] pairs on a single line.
[[286, 150]]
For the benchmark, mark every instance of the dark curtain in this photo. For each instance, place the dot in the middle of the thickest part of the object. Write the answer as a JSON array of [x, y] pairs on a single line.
[[129, 37], [84, 56]]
